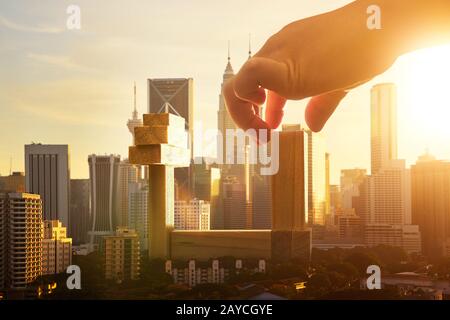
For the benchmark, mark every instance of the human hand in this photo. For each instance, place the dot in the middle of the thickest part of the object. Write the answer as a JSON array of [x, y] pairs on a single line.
[[320, 57]]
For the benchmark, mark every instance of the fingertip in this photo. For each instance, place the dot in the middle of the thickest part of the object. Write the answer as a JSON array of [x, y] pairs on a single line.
[[274, 110], [320, 109]]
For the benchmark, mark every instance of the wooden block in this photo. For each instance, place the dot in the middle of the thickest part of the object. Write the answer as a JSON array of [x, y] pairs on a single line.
[[204, 245], [159, 154], [164, 119], [146, 135], [288, 184], [160, 211]]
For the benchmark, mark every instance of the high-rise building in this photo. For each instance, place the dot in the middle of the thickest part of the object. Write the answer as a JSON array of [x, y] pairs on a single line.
[[396, 235], [138, 196], [80, 219], [47, 173], [388, 195], [176, 96], [224, 123], [430, 186], [103, 175], [384, 201], [233, 166], [327, 185], [194, 215], [383, 115], [317, 197], [128, 173], [351, 180], [335, 200], [207, 188], [56, 248], [235, 205], [122, 255], [15, 182], [261, 201], [21, 233]]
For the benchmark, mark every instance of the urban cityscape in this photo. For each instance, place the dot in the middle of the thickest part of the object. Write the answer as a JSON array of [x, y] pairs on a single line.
[[161, 222]]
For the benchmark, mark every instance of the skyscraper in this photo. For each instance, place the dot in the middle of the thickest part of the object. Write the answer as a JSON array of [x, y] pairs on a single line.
[[235, 205], [176, 96], [128, 173], [80, 218], [383, 115], [225, 122], [47, 173], [138, 196], [351, 179], [261, 201], [317, 198], [207, 188], [384, 203], [430, 186], [389, 195], [327, 185], [103, 175], [237, 177], [21, 233]]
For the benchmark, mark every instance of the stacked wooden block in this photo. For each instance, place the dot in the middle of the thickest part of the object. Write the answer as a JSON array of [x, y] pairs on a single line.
[[162, 144], [162, 140]]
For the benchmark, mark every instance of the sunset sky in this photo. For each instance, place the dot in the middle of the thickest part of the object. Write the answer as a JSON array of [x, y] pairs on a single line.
[[60, 86]]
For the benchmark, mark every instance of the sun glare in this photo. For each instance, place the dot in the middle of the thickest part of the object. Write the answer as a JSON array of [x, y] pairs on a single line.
[[425, 94]]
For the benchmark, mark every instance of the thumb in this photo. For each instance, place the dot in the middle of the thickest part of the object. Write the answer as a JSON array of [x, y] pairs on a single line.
[[320, 108]]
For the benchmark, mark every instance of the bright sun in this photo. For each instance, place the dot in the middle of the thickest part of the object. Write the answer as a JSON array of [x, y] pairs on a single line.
[[425, 95]]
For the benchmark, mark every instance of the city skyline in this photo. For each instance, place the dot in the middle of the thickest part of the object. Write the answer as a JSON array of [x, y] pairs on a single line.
[[77, 84]]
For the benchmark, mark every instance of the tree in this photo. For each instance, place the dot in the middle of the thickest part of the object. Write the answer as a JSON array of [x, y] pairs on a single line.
[[361, 261], [318, 285]]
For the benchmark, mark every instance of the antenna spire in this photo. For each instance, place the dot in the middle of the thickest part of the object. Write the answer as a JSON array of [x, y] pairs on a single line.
[[135, 113], [229, 57], [135, 96]]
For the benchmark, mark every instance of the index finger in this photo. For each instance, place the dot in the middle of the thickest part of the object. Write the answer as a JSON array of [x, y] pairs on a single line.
[[241, 111]]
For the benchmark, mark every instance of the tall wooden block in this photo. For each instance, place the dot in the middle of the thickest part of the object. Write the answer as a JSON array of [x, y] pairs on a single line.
[[173, 136], [164, 119], [161, 210], [288, 185]]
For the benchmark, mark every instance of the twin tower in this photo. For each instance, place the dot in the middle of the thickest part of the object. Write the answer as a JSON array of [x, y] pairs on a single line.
[[161, 143]]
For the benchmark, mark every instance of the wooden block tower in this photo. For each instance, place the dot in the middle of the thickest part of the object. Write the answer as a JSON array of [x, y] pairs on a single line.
[[162, 144], [290, 236]]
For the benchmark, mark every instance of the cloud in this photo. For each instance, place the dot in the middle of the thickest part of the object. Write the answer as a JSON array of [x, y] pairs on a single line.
[[24, 28], [86, 102], [58, 61]]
